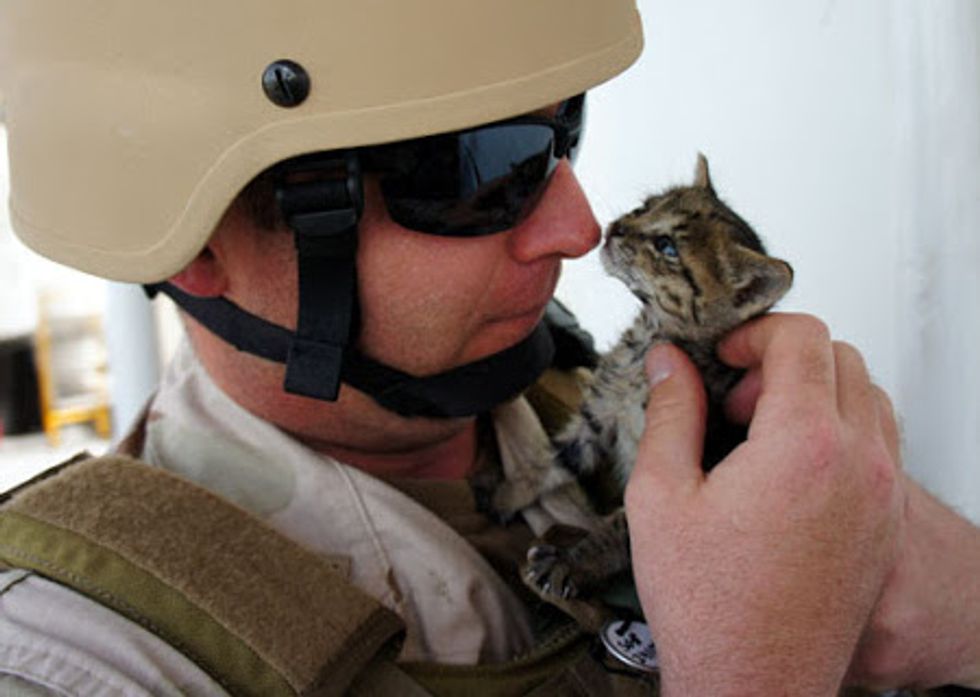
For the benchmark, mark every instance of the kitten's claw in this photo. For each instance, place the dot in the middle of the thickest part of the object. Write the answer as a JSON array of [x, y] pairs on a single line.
[[549, 571], [539, 553]]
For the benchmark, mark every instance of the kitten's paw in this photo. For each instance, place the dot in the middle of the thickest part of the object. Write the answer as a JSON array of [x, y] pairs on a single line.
[[550, 571], [571, 563]]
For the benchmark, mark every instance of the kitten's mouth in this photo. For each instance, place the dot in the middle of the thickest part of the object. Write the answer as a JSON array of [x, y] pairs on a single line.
[[608, 259], [610, 253], [614, 233]]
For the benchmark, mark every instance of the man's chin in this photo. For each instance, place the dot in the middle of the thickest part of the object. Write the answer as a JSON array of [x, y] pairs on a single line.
[[500, 335]]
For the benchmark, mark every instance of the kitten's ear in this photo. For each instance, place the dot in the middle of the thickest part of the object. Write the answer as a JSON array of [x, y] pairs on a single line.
[[763, 281], [702, 178]]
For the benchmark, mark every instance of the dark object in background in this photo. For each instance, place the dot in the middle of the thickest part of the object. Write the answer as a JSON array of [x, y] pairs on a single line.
[[19, 409]]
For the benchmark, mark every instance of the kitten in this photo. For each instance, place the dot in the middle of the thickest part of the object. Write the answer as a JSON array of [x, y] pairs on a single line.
[[699, 271]]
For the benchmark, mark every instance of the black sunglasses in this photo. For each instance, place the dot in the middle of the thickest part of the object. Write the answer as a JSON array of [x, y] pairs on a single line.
[[479, 180]]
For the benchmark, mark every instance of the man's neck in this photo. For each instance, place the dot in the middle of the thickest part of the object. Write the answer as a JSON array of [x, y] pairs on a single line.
[[451, 458], [354, 430]]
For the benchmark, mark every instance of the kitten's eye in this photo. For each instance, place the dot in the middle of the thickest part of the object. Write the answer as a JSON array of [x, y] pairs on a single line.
[[665, 245]]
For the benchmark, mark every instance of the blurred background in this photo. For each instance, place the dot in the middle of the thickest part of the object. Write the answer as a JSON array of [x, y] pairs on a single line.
[[846, 133]]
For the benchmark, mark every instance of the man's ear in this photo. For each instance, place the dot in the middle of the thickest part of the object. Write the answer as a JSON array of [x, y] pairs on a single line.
[[204, 277]]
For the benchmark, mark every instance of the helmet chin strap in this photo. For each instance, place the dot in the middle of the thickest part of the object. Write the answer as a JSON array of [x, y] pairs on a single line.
[[462, 391], [322, 204]]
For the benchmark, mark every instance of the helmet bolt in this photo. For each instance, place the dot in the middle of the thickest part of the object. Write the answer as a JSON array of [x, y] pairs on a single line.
[[286, 83]]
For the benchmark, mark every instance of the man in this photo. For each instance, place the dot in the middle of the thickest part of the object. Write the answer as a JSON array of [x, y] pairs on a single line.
[[364, 306]]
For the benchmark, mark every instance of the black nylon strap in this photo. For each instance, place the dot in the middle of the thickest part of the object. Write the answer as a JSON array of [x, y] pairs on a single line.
[[223, 318], [323, 213], [309, 362], [316, 355], [464, 391]]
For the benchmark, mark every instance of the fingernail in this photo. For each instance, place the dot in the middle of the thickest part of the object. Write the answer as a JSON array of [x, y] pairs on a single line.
[[658, 365]]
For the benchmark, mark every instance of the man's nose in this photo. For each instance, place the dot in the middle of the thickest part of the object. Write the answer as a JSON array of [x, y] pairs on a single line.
[[562, 223]]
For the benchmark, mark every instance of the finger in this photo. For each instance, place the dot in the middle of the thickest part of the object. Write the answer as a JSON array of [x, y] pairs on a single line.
[[796, 359], [741, 400], [889, 424], [673, 438], [856, 398]]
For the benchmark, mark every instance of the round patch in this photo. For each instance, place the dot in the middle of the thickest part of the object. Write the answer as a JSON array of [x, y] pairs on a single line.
[[630, 643]]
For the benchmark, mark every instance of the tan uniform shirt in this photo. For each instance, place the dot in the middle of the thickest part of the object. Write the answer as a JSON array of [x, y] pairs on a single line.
[[456, 607]]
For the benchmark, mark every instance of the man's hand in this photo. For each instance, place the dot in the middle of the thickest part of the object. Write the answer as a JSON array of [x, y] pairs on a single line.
[[762, 575], [925, 630]]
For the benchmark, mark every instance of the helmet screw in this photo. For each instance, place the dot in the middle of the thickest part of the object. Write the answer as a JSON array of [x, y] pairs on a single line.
[[286, 83]]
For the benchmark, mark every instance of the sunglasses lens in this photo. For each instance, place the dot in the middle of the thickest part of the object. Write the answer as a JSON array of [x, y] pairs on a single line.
[[471, 183]]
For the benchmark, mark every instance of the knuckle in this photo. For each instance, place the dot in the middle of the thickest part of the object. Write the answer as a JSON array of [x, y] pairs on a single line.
[[883, 398], [848, 352], [671, 409], [807, 339], [852, 367], [885, 404], [809, 328], [664, 413], [881, 468]]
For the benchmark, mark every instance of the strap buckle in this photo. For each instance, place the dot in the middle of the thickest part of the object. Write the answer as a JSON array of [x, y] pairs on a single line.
[[321, 197]]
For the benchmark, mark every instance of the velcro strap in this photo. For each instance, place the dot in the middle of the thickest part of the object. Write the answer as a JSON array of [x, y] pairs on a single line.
[[326, 317], [258, 612], [321, 199]]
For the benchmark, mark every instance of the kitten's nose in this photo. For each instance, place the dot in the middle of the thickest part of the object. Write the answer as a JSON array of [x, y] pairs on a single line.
[[617, 229]]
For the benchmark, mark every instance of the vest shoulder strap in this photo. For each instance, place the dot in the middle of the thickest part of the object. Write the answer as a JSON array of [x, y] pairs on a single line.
[[260, 614], [174, 558]]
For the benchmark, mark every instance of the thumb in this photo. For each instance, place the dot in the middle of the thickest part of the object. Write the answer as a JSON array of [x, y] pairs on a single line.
[[673, 438]]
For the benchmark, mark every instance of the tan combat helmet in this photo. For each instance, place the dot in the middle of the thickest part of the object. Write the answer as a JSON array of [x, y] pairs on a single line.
[[132, 124]]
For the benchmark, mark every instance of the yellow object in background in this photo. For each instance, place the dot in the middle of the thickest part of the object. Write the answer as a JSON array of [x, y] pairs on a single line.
[[72, 368]]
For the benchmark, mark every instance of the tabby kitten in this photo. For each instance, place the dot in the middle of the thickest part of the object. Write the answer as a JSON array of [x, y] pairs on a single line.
[[699, 271]]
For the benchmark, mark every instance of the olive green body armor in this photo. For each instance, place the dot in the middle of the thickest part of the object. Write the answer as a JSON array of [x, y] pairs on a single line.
[[256, 611]]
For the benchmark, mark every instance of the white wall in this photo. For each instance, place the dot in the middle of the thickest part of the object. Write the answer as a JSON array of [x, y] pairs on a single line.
[[848, 134]]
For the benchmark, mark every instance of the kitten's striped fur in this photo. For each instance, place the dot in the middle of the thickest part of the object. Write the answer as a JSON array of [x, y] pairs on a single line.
[[699, 271]]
